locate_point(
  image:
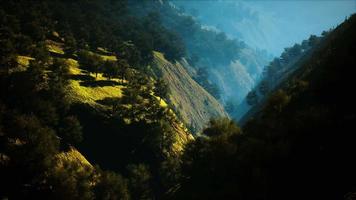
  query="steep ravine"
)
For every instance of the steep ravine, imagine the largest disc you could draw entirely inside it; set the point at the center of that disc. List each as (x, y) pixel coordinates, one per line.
(193, 103)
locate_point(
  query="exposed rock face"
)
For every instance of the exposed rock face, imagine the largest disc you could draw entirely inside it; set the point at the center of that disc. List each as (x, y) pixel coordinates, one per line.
(192, 102)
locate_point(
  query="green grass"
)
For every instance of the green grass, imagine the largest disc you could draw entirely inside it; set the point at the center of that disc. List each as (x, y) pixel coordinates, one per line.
(88, 94)
(108, 58)
(24, 61)
(70, 156)
(55, 47)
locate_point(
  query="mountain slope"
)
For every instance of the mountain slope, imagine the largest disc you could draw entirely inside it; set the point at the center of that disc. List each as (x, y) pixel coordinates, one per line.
(314, 113)
(300, 145)
(211, 53)
(194, 105)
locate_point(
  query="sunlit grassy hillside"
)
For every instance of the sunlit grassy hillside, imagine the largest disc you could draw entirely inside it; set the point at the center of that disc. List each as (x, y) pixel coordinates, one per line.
(194, 105)
(89, 89)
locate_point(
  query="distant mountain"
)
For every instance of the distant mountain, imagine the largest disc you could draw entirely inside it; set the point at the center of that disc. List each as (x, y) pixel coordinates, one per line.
(269, 25)
(226, 67)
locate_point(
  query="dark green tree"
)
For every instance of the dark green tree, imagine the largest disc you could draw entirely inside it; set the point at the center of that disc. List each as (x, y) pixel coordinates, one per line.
(140, 181)
(71, 130)
(111, 186)
(123, 67)
(161, 89)
(252, 98)
(264, 87)
(111, 69)
(93, 63)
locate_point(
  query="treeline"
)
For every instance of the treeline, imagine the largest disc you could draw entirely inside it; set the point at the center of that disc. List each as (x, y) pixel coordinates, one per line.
(282, 67)
(297, 147)
(88, 25)
(205, 48)
(38, 122)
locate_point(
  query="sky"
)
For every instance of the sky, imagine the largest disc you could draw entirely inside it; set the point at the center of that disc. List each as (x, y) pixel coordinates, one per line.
(283, 23)
(271, 24)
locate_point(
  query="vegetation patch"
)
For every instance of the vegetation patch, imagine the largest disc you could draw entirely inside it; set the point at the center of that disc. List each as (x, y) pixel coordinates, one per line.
(88, 94)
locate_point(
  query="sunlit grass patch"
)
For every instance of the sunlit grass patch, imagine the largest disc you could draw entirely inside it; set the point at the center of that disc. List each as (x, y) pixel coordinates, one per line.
(24, 60)
(72, 156)
(108, 58)
(90, 94)
(162, 103)
(103, 50)
(54, 47)
(73, 66)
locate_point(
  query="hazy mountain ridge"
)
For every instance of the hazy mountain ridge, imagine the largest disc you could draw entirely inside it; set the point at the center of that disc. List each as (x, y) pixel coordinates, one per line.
(269, 25)
(277, 72)
(213, 52)
(297, 146)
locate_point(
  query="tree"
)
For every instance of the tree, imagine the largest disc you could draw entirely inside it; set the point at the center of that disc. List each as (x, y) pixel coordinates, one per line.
(296, 50)
(202, 77)
(230, 107)
(71, 44)
(8, 58)
(95, 64)
(161, 89)
(221, 126)
(252, 98)
(286, 57)
(305, 45)
(123, 67)
(37, 78)
(277, 102)
(161, 137)
(91, 62)
(111, 186)
(71, 180)
(40, 143)
(40, 53)
(132, 54)
(208, 162)
(111, 69)
(139, 181)
(71, 130)
(313, 40)
(264, 87)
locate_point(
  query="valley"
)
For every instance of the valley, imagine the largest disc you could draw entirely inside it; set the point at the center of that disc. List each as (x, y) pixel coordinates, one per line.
(130, 99)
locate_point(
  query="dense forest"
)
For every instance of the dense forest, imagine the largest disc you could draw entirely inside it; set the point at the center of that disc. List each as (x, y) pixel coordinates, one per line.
(277, 71)
(42, 42)
(84, 116)
(209, 52)
(299, 145)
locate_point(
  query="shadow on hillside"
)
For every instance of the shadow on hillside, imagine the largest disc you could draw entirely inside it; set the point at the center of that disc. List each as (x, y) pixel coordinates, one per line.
(100, 83)
(109, 101)
(81, 77)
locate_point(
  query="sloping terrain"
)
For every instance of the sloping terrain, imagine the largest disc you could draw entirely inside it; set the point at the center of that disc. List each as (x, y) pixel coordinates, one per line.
(299, 145)
(85, 88)
(194, 105)
(90, 90)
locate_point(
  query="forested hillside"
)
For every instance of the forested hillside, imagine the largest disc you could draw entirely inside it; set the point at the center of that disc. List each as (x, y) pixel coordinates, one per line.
(276, 72)
(226, 67)
(75, 81)
(104, 99)
(298, 146)
(194, 105)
